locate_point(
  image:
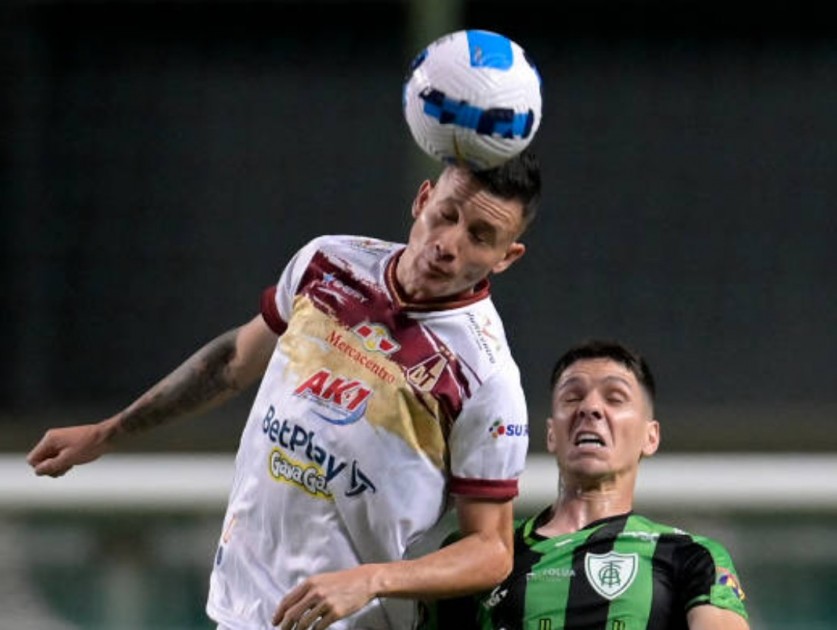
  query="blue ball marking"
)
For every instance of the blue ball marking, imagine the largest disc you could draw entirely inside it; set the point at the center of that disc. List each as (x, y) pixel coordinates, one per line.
(490, 50)
(495, 121)
(416, 62)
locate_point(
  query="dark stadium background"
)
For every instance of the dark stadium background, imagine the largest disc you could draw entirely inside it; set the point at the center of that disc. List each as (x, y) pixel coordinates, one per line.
(159, 162)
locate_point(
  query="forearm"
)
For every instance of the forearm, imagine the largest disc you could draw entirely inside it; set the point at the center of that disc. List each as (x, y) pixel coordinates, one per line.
(475, 563)
(223, 367)
(203, 381)
(472, 564)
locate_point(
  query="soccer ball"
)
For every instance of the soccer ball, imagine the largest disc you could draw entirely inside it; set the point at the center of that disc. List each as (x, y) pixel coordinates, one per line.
(472, 97)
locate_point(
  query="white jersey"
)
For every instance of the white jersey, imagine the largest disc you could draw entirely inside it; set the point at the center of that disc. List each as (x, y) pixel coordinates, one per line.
(371, 412)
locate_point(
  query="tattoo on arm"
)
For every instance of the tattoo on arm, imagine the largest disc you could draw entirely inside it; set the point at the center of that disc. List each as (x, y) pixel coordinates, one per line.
(201, 382)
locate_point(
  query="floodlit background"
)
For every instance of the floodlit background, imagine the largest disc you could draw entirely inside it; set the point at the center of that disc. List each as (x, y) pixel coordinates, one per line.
(161, 160)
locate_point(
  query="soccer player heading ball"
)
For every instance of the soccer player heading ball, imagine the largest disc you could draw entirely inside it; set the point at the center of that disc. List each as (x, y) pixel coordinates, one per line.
(384, 375)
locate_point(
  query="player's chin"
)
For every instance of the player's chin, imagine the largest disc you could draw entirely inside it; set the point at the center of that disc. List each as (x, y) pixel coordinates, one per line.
(436, 287)
(452, 291)
(589, 460)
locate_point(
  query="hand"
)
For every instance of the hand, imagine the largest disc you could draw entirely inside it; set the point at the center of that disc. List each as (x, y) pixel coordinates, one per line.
(322, 599)
(61, 449)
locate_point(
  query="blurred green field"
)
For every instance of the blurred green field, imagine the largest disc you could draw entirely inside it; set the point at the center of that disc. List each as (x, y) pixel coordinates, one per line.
(147, 570)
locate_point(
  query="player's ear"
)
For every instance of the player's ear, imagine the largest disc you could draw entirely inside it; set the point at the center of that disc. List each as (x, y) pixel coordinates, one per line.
(421, 198)
(513, 253)
(652, 438)
(550, 436)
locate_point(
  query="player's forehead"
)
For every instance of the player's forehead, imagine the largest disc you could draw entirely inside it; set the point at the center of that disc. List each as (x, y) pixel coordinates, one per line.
(590, 372)
(458, 187)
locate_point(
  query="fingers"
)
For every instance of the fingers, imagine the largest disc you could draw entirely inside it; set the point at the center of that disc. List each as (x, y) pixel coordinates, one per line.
(303, 609)
(51, 468)
(61, 449)
(289, 602)
(312, 619)
(320, 600)
(45, 458)
(315, 617)
(39, 457)
(39, 452)
(48, 463)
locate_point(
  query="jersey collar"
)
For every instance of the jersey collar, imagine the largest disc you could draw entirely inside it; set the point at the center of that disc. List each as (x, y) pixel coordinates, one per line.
(481, 291)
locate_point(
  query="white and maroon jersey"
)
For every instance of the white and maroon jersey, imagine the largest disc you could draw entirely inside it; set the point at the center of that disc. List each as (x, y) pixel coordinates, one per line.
(371, 412)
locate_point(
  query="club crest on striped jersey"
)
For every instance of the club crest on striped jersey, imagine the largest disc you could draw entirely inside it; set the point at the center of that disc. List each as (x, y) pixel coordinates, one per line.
(376, 338)
(610, 574)
(425, 375)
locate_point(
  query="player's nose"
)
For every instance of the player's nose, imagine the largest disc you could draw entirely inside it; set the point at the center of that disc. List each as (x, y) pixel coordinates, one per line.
(445, 246)
(591, 407)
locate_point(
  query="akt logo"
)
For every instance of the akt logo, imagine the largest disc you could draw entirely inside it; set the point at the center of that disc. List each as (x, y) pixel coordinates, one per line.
(346, 398)
(498, 429)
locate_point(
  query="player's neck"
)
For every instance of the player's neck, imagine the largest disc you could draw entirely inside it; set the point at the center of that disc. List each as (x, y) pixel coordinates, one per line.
(575, 509)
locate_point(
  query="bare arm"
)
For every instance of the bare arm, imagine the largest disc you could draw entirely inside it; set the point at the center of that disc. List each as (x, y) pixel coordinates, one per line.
(708, 617)
(218, 371)
(478, 561)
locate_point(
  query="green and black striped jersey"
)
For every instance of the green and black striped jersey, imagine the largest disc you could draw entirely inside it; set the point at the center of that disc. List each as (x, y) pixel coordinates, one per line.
(620, 573)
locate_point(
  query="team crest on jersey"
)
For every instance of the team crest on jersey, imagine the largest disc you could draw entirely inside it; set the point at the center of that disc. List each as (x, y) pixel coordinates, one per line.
(376, 338)
(610, 574)
(425, 375)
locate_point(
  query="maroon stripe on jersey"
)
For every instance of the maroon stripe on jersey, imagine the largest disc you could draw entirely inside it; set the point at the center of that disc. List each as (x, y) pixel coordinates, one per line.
(270, 313)
(335, 290)
(484, 488)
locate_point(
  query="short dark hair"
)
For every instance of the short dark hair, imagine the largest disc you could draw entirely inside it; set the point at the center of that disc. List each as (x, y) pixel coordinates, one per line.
(517, 178)
(606, 349)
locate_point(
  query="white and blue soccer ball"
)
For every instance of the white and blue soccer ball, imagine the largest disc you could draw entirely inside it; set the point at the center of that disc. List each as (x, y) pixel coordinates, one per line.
(473, 97)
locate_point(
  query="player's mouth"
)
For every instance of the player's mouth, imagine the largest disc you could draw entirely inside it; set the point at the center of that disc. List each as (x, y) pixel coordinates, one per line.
(588, 438)
(437, 271)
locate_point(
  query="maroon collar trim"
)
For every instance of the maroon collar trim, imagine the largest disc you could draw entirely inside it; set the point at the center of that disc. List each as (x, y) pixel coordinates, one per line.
(481, 291)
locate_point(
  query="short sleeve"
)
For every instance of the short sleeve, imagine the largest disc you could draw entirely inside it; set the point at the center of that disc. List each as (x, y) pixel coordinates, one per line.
(277, 300)
(710, 577)
(490, 439)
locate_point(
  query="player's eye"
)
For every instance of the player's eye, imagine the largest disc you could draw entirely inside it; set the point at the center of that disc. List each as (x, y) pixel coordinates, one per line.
(616, 398)
(480, 237)
(450, 216)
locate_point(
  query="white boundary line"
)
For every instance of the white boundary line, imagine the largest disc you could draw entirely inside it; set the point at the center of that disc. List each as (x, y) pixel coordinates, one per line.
(191, 482)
